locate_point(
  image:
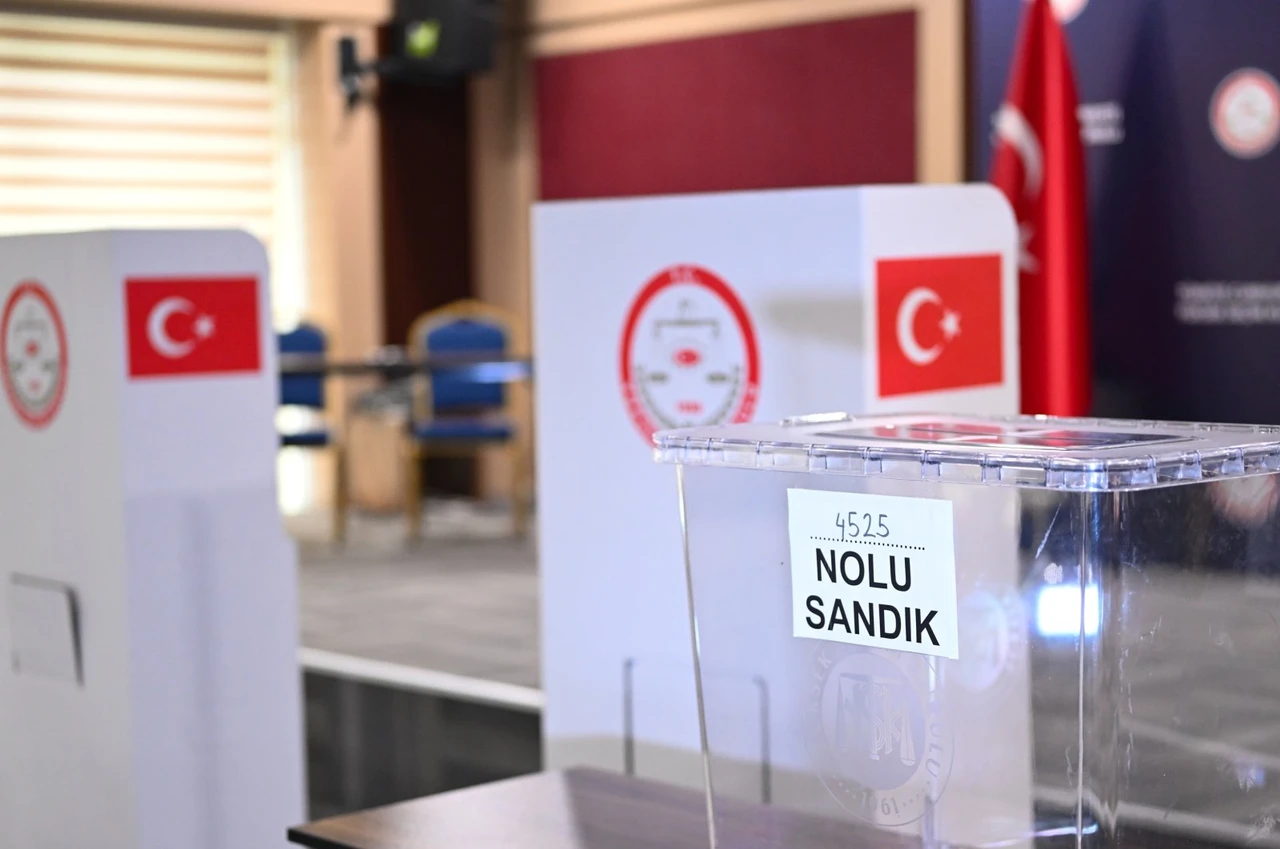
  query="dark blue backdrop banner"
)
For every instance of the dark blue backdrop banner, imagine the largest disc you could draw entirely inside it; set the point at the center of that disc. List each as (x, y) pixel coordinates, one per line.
(1180, 111)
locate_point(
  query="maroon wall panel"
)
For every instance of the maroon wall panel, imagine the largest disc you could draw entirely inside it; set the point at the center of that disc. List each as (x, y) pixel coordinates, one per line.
(812, 105)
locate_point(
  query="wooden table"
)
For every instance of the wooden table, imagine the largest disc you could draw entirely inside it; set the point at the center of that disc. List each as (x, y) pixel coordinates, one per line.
(588, 809)
(574, 809)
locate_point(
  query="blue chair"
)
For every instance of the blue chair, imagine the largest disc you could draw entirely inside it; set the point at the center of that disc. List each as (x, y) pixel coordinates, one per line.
(306, 392)
(454, 414)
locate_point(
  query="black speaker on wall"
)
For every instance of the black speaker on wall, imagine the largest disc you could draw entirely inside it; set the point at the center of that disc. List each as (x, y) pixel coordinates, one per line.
(441, 39)
(432, 42)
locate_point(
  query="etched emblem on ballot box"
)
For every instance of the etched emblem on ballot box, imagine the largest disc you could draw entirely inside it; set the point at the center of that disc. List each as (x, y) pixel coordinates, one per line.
(876, 572)
(880, 741)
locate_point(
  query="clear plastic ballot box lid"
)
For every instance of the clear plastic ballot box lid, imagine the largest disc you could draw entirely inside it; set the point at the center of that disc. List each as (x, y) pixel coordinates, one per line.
(964, 631)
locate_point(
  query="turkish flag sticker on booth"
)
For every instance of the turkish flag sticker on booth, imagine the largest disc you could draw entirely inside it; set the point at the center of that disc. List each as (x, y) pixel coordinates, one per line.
(939, 323)
(192, 325)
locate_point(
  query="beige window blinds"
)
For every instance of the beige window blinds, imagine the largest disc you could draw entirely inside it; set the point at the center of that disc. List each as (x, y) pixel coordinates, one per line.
(112, 123)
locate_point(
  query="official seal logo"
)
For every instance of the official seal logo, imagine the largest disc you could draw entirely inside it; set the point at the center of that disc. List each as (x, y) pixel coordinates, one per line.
(993, 637)
(1244, 113)
(880, 740)
(33, 354)
(688, 353)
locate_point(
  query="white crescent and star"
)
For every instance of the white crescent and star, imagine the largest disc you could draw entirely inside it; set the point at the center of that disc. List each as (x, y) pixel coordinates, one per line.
(1012, 128)
(907, 341)
(158, 335)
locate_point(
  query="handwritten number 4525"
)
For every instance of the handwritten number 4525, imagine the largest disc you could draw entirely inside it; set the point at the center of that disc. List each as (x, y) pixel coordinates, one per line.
(853, 525)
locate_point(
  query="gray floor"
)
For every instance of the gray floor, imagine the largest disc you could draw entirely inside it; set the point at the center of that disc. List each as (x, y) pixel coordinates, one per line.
(464, 601)
(369, 745)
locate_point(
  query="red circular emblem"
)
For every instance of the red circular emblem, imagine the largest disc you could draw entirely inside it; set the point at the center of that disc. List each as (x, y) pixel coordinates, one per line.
(1245, 113)
(688, 353)
(33, 354)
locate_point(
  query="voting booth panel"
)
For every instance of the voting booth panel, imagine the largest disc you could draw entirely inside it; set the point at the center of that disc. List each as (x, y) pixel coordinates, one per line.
(153, 695)
(661, 312)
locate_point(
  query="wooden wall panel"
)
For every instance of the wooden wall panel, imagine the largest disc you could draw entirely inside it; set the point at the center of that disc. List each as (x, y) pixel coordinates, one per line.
(426, 200)
(350, 11)
(503, 177)
(340, 184)
(340, 173)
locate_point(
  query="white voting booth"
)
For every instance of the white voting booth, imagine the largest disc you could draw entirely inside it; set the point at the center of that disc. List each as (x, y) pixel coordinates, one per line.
(661, 312)
(152, 698)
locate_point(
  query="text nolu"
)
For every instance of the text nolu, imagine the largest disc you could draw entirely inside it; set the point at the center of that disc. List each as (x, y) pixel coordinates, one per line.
(874, 619)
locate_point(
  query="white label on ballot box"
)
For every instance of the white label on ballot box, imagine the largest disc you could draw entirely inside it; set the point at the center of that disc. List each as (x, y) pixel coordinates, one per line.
(873, 570)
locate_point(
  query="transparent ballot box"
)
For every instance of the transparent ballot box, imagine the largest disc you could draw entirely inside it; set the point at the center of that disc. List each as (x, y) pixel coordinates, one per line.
(980, 632)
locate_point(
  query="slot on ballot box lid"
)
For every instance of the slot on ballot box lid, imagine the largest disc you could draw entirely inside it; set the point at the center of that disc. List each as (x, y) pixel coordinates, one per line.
(1036, 451)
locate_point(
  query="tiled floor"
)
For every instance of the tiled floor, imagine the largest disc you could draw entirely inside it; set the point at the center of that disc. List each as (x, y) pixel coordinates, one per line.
(464, 601)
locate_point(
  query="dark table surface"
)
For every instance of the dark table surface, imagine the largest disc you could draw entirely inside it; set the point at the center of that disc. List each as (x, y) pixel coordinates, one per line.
(589, 809)
(574, 809)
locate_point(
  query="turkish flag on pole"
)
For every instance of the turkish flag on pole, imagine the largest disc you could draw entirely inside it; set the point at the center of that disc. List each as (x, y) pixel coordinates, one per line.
(1039, 165)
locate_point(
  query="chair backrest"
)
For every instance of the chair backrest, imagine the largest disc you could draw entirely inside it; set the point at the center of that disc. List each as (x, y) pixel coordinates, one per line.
(302, 390)
(465, 327)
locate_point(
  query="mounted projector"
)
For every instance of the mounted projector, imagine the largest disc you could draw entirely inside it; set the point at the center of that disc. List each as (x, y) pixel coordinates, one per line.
(432, 42)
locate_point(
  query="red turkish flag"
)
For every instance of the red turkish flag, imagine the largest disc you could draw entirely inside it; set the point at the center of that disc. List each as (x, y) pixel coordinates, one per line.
(188, 326)
(938, 323)
(1039, 165)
